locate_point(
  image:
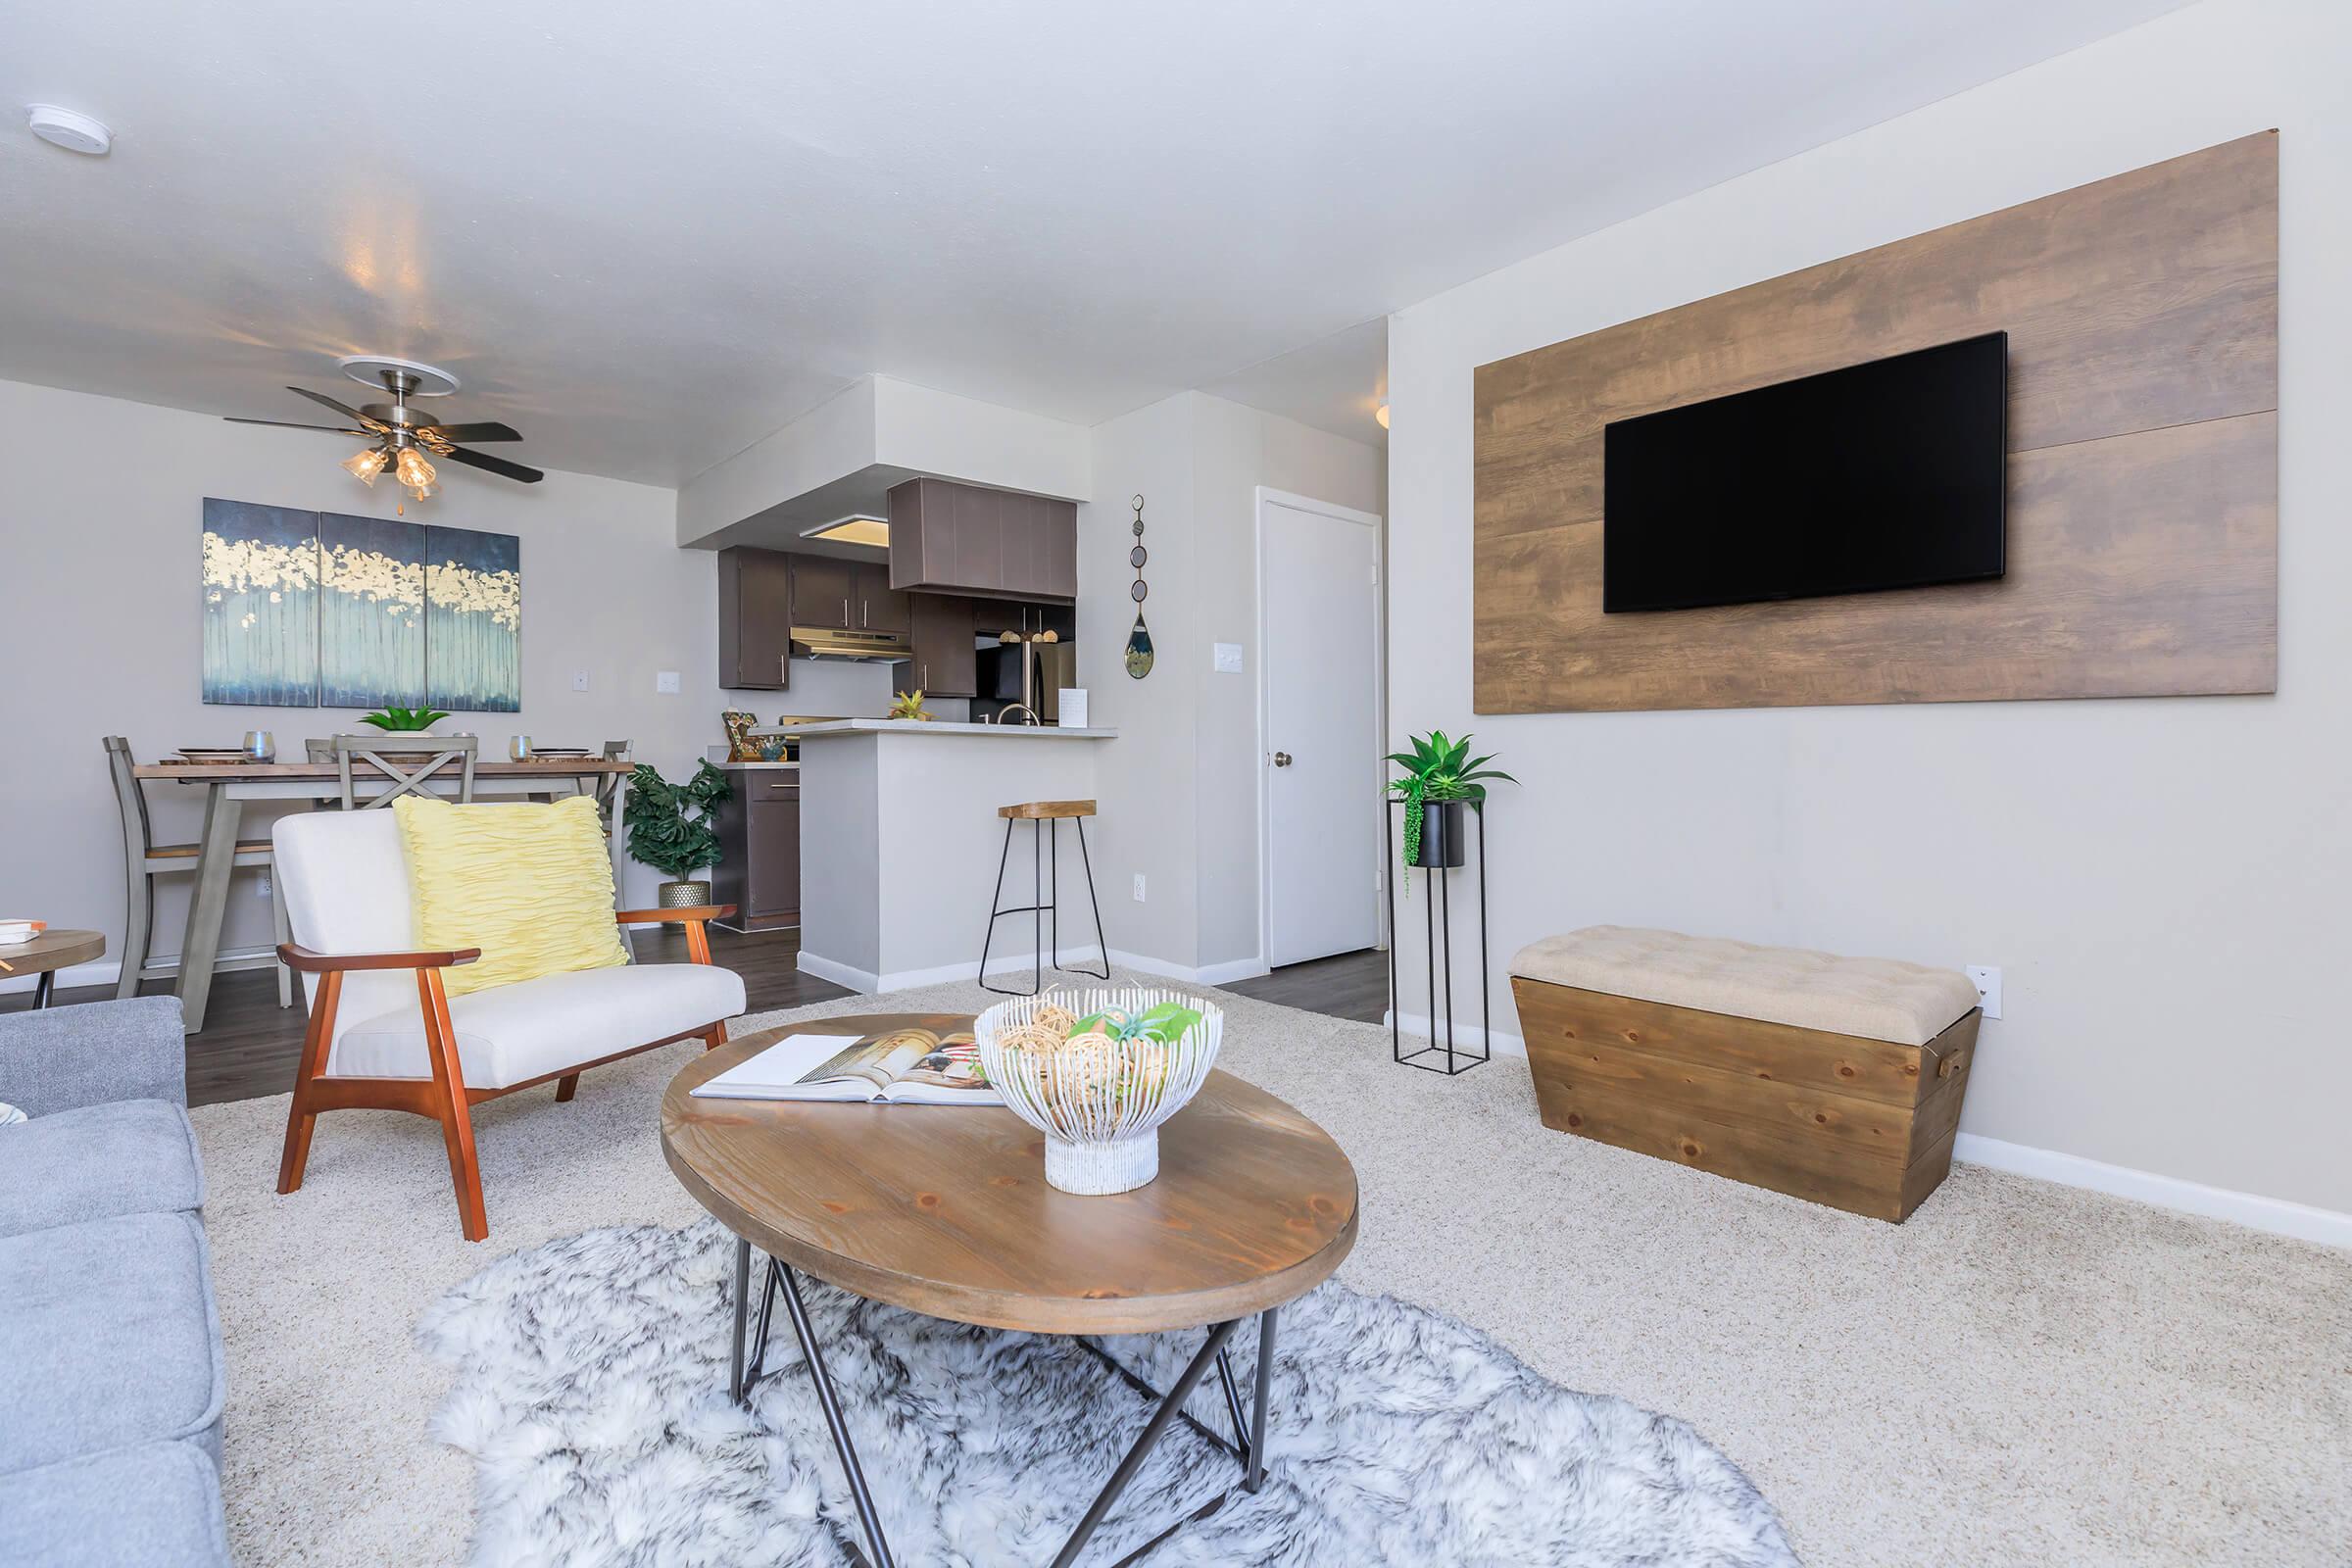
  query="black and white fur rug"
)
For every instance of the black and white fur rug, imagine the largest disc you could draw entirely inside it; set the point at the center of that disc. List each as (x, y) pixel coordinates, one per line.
(591, 1392)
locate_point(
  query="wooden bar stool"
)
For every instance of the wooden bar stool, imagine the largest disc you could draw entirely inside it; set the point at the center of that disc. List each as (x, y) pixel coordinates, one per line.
(1045, 820)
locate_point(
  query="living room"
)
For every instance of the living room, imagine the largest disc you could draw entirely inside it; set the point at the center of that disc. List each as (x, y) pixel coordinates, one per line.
(1882, 1110)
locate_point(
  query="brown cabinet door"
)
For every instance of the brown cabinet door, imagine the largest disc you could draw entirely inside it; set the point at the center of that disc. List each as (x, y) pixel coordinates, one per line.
(914, 529)
(754, 620)
(1057, 549)
(773, 854)
(879, 606)
(824, 592)
(976, 523)
(944, 663)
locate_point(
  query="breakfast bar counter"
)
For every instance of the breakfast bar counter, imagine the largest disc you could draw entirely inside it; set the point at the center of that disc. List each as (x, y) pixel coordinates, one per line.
(901, 844)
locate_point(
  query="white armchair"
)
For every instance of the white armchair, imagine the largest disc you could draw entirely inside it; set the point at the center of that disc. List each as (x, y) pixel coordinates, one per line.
(385, 1036)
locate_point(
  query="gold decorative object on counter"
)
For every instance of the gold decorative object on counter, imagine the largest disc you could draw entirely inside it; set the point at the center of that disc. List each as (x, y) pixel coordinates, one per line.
(741, 748)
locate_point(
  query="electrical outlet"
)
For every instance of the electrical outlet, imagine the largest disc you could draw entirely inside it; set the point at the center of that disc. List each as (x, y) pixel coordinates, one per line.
(667, 683)
(1139, 887)
(1987, 981)
(579, 680)
(1229, 659)
(263, 888)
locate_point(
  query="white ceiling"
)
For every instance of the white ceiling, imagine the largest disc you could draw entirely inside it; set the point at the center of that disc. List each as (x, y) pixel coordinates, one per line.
(1336, 383)
(649, 235)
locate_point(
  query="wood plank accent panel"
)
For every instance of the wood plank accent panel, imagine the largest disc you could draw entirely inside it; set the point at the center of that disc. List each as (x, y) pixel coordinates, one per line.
(2143, 342)
(1862, 1125)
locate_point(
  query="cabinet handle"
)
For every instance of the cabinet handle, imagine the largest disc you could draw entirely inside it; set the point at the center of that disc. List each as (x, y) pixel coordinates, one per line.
(927, 677)
(865, 612)
(783, 666)
(845, 612)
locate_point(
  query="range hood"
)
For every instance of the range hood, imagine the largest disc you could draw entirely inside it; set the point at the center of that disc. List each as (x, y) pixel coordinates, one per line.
(860, 647)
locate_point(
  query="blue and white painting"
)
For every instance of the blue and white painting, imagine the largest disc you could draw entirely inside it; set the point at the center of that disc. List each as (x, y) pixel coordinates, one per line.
(372, 611)
(261, 604)
(323, 609)
(472, 620)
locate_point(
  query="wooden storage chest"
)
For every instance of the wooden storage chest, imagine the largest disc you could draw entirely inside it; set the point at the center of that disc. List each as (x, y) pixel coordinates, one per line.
(1861, 1124)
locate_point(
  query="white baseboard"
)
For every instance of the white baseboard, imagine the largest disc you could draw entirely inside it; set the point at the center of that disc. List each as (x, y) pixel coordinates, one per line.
(2274, 1215)
(1466, 1036)
(870, 983)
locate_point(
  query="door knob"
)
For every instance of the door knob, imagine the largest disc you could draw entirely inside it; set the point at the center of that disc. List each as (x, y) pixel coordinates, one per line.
(1282, 758)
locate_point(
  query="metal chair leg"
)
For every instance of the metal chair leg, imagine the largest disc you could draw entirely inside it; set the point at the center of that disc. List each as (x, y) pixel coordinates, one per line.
(995, 900)
(1101, 937)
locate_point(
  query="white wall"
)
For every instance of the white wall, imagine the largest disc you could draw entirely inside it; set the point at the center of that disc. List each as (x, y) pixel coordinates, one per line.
(1179, 786)
(100, 530)
(2162, 881)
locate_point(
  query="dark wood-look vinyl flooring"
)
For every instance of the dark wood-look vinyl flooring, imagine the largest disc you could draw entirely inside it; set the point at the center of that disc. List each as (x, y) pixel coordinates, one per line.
(250, 1045)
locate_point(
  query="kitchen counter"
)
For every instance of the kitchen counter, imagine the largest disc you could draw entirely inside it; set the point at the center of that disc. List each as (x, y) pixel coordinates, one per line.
(900, 846)
(916, 726)
(751, 767)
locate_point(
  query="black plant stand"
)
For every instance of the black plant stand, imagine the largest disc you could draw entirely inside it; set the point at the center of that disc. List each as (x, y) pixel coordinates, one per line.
(1438, 943)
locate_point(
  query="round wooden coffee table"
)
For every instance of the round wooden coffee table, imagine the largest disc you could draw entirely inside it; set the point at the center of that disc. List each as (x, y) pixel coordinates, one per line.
(945, 1211)
(46, 954)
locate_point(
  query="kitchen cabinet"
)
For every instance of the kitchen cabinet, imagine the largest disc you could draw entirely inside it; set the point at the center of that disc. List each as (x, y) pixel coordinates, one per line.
(954, 538)
(879, 607)
(945, 661)
(754, 620)
(760, 850)
(824, 592)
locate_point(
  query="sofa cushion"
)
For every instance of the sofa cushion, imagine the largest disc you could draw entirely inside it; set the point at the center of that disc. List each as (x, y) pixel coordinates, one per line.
(531, 886)
(535, 1027)
(112, 1339)
(1875, 999)
(125, 1156)
(151, 1505)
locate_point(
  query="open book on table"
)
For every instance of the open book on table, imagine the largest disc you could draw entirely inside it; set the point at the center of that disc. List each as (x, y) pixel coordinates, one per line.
(906, 1067)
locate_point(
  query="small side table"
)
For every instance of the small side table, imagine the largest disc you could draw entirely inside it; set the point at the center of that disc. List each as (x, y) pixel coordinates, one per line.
(53, 950)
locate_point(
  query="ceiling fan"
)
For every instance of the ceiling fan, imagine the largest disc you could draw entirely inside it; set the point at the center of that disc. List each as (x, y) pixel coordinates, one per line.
(401, 438)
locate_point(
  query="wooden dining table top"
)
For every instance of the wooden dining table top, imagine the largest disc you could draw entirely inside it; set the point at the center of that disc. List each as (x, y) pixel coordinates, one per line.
(944, 1209)
(229, 772)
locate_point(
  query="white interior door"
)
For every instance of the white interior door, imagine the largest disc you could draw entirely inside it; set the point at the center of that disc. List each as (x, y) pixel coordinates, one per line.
(1319, 586)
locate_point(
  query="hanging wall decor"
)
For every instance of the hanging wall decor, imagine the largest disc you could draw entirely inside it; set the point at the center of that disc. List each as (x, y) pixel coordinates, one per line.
(1138, 641)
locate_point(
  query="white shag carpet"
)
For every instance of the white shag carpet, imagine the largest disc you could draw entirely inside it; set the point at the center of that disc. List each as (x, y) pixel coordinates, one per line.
(592, 1395)
(2021, 1373)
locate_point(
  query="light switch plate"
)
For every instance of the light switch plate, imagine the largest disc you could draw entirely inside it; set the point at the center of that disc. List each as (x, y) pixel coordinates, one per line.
(1229, 659)
(579, 680)
(1987, 981)
(667, 683)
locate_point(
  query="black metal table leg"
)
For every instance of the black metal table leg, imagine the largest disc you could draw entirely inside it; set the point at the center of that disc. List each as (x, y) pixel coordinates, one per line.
(1254, 1469)
(743, 1307)
(43, 984)
(1142, 1450)
(831, 1404)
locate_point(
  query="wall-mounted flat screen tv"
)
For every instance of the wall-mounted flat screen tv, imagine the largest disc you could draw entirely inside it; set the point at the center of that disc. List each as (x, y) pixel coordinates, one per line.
(1890, 475)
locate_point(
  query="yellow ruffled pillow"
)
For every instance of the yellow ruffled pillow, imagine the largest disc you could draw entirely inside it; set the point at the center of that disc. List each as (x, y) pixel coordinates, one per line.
(529, 885)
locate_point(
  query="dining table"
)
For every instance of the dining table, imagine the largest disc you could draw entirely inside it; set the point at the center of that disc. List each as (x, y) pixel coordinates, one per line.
(228, 786)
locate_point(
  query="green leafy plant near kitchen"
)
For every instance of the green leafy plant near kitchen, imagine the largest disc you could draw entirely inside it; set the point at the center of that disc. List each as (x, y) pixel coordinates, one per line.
(671, 824)
(405, 720)
(1439, 769)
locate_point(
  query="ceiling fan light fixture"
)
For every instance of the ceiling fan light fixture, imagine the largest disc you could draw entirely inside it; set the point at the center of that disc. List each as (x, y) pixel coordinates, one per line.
(366, 465)
(412, 470)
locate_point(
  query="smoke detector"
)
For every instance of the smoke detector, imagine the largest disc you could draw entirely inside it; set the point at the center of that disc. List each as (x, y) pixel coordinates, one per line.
(75, 131)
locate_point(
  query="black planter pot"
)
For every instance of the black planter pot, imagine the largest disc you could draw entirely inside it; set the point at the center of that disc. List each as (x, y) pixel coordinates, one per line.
(1445, 833)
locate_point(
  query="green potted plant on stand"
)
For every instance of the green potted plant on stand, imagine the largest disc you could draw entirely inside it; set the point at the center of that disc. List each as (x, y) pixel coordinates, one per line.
(670, 829)
(1440, 777)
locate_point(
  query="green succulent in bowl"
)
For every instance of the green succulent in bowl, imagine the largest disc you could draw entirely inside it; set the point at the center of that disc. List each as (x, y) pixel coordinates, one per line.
(405, 720)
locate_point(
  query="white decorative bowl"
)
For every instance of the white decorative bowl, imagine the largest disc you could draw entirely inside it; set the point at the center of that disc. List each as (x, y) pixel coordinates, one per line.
(1100, 1105)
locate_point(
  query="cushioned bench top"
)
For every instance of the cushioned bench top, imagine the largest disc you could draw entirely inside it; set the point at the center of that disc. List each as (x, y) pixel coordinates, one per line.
(1875, 999)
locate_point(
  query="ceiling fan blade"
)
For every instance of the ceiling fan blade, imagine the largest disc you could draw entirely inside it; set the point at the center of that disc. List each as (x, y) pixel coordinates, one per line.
(344, 408)
(289, 425)
(490, 465)
(486, 430)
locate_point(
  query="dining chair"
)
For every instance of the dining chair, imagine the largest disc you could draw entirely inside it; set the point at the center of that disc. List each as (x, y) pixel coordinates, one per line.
(608, 785)
(144, 860)
(407, 772)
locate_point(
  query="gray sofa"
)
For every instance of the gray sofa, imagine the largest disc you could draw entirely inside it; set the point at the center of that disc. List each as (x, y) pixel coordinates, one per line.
(110, 1372)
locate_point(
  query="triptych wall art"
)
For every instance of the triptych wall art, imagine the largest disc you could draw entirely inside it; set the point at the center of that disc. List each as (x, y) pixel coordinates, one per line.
(320, 610)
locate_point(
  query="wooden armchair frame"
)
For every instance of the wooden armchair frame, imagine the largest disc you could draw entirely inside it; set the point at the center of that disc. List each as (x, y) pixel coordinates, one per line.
(444, 1097)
